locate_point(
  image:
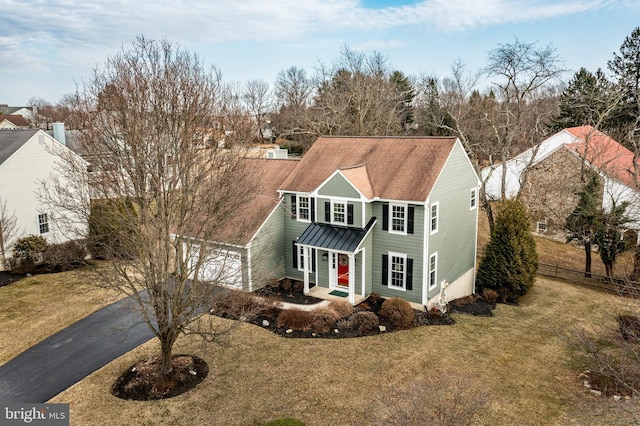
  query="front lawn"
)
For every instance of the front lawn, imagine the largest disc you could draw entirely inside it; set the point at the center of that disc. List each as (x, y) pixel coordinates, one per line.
(34, 308)
(517, 358)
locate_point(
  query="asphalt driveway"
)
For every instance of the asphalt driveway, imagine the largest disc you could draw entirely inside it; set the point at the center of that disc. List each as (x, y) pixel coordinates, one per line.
(61, 360)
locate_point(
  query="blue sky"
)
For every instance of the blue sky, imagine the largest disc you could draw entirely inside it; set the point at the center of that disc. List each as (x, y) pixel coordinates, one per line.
(47, 46)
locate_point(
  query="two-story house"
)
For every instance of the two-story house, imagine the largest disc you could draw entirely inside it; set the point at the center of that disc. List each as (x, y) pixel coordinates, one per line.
(392, 215)
(395, 216)
(29, 157)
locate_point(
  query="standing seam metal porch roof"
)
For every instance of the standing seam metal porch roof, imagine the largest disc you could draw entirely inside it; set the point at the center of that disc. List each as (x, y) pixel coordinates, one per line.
(332, 237)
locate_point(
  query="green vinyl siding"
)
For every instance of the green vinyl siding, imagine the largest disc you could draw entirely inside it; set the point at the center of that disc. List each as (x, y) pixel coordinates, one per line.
(338, 186)
(411, 244)
(268, 248)
(357, 211)
(323, 269)
(293, 229)
(455, 240)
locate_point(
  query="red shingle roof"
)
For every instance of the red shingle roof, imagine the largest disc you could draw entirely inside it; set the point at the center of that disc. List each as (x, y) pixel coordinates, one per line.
(397, 168)
(604, 153)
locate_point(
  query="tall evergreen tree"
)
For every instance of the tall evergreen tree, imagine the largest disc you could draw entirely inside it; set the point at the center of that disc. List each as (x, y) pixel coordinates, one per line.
(405, 95)
(588, 99)
(610, 236)
(625, 67)
(510, 261)
(584, 223)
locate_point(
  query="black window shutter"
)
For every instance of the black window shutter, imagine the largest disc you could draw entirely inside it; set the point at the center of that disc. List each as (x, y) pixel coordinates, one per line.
(349, 214)
(295, 253)
(293, 207)
(410, 220)
(313, 260)
(409, 277)
(385, 217)
(312, 201)
(385, 269)
(327, 211)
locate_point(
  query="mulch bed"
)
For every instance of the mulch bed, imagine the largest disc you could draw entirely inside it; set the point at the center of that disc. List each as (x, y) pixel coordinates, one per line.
(246, 310)
(7, 277)
(144, 382)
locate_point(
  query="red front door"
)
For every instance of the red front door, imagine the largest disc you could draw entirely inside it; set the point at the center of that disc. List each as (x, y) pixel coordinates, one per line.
(343, 270)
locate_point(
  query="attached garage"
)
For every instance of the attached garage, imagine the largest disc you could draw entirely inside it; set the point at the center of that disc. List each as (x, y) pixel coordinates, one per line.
(219, 265)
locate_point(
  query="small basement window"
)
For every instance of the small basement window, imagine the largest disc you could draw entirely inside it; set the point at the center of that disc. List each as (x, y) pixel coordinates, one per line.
(541, 226)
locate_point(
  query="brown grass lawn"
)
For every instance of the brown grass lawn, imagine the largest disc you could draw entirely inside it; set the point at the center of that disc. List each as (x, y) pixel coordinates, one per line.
(518, 357)
(37, 307)
(557, 252)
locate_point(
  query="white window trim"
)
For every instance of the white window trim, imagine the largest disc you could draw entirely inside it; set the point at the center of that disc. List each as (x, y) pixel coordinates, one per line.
(333, 217)
(433, 284)
(437, 216)
(544, 224)
(47, 222)
(405, 207)
(298, 209)
(300, 258)
(390, 271)
(473, 199)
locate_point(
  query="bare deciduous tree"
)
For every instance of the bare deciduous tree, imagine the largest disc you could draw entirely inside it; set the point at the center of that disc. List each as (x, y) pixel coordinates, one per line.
(147, 113)
(256, 97)
(8, 230)
(357, 96)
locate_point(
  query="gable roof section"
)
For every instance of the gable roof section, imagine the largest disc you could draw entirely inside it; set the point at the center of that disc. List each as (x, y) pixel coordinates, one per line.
(241, 228)
(359, 178)
(13, 139)
(604, 153)
(396, 168)
(16, 119)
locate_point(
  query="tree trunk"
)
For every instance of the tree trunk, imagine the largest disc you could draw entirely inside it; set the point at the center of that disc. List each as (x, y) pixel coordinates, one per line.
(587, 259)
(166, 356)
(635, 276)
(489, 211)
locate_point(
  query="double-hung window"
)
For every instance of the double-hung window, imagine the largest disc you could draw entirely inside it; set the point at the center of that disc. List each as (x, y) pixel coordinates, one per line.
(339, 212)
(473, 199)
(397, 270)
(304, 209)
(434, 217)
(43, 223)
(398, 218)
(433, 270)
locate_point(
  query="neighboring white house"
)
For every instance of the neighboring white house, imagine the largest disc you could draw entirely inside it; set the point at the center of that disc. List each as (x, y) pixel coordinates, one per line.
(13, 122)
(557, 160)
(27, 158)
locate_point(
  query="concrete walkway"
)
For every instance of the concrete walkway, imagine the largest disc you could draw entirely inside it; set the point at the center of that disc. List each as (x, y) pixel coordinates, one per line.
(51, 366)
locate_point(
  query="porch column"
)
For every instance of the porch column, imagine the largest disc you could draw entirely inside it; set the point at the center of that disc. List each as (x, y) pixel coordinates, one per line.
(306, 260)
(352, 279)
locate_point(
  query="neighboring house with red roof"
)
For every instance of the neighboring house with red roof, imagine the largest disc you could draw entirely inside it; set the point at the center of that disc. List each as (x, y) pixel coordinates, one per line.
(13, 121)
(550, 175)
(27, 158)
(395, 216)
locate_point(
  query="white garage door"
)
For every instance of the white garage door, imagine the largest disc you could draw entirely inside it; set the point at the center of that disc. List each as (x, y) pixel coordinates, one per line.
(219, 266)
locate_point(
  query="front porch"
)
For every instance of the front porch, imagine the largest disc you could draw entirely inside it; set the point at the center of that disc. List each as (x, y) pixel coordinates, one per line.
(325, 294)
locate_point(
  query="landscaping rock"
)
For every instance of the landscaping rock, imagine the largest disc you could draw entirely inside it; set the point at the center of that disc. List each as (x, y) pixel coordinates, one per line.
(289, 331)
(596, 392)
(382, 328)
(265, 323)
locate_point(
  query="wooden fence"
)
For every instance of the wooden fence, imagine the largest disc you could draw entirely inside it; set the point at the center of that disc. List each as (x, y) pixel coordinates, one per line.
(619, 286)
